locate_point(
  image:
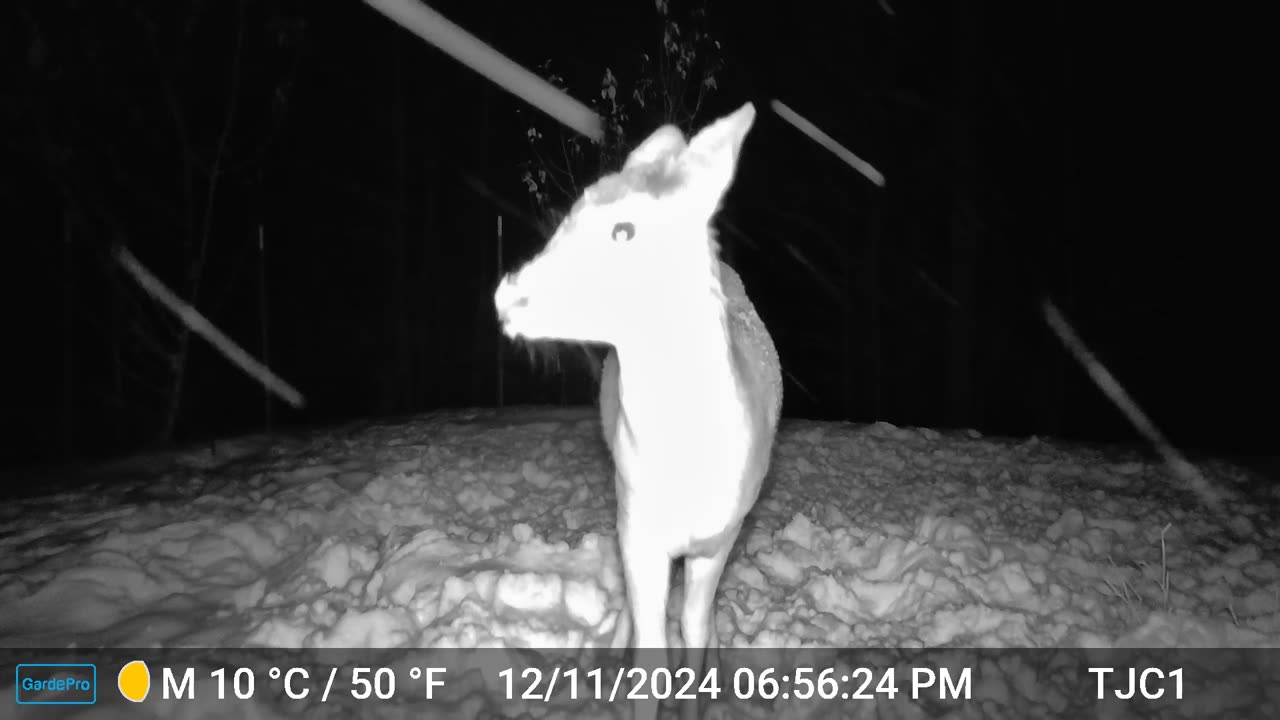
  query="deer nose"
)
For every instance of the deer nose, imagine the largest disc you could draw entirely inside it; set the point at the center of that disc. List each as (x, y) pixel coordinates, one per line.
(509, 296)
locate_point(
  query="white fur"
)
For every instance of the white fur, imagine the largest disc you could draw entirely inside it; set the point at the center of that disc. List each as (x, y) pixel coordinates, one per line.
(691, 392)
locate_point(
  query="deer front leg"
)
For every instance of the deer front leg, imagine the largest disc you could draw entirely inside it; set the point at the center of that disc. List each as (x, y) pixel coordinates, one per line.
(647, 570)
(698, 620)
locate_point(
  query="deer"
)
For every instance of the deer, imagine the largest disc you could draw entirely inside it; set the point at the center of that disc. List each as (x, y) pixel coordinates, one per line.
(691, 388)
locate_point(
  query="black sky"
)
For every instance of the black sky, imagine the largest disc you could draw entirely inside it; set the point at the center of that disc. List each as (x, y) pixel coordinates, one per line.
(1114, 157)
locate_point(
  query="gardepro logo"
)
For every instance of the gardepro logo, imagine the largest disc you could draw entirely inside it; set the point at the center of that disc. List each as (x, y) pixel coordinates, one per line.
(57, 684)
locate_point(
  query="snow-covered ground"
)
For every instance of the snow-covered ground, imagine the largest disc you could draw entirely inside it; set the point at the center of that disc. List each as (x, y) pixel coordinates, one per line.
(495, 528)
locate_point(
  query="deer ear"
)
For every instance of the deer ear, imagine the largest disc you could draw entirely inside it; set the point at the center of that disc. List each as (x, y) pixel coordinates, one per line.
(665, 142)
(711, 158)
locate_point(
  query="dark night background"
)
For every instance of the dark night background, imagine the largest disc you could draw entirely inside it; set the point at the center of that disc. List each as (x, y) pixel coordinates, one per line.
(1115, 157)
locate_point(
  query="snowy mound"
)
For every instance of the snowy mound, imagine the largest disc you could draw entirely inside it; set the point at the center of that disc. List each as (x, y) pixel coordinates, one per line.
(496, 529)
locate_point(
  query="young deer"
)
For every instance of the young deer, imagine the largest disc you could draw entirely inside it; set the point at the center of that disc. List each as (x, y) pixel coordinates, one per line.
(690, 392)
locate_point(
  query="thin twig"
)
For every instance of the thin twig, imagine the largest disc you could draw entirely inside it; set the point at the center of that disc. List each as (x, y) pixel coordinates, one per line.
(1164, 566)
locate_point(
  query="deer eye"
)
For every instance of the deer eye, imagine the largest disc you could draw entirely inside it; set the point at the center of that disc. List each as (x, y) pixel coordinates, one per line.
(624, 231)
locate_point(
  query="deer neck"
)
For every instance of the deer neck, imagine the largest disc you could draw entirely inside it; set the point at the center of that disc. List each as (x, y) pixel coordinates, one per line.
(678, 380)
